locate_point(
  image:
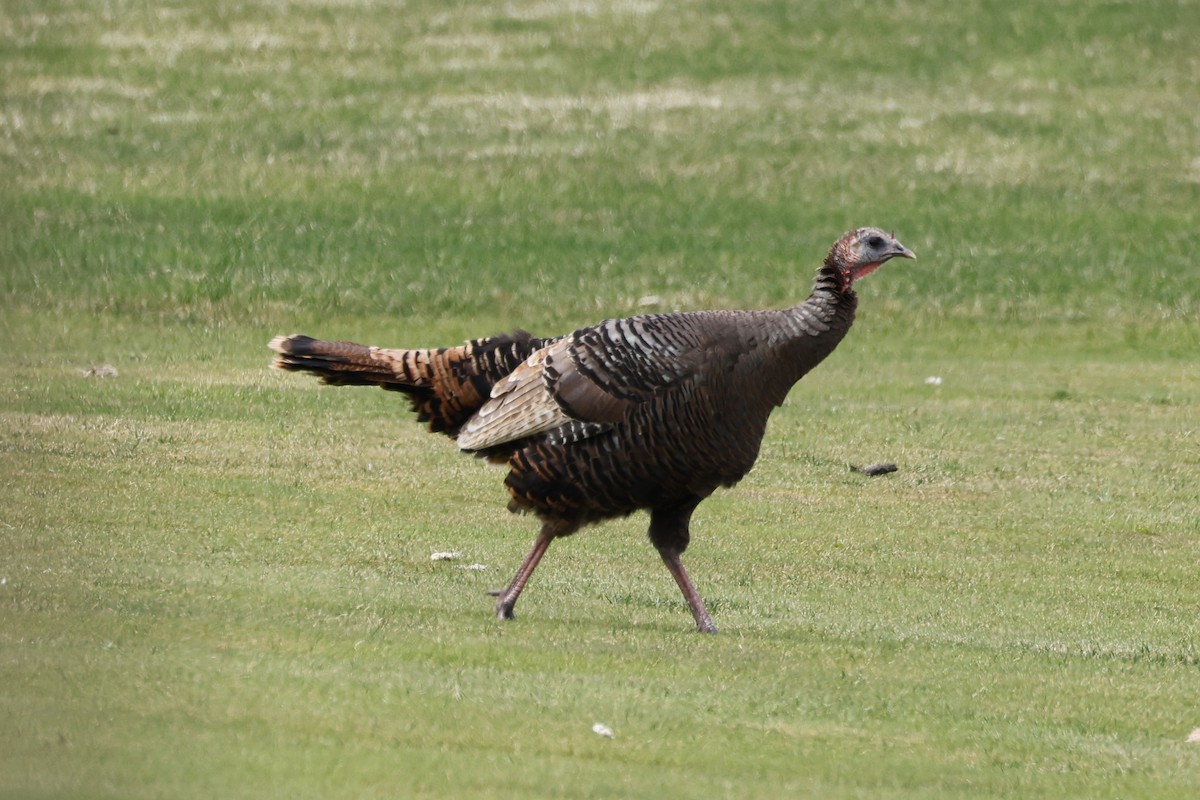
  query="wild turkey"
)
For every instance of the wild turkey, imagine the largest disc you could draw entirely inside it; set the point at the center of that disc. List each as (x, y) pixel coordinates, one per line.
(651, 412)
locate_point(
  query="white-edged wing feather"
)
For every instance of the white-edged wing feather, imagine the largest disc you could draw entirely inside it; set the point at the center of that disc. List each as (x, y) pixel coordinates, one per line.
(521, 406)
(592, 378)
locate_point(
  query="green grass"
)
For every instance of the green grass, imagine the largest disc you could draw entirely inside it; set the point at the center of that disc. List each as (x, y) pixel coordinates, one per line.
(215, 579)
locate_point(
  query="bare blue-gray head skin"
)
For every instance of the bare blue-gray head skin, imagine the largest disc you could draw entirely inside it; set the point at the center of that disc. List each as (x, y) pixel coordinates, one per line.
(860, 252)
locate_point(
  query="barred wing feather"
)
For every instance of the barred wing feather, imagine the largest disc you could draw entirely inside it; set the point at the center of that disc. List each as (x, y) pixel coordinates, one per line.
(594, 376)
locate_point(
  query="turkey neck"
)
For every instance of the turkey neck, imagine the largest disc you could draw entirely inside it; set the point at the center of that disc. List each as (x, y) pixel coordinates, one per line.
(802, 336)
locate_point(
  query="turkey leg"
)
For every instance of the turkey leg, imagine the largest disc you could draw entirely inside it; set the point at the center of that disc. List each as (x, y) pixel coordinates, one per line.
(508, 598)
(670, 557)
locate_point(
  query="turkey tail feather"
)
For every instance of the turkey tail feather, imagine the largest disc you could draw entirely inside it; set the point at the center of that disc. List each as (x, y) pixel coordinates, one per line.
(446, 385)
(346, 363)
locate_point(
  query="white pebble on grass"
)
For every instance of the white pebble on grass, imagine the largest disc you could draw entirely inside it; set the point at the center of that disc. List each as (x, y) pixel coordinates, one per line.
(101, 371)
(444, 556)
(1194, 737)
(602, 730)
(933, 380)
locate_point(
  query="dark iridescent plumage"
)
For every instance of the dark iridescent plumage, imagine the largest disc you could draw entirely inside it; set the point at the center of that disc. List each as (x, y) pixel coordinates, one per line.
(650, 412)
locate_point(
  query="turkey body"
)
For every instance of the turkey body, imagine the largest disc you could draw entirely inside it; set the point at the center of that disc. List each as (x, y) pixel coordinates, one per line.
(677, 445)
(651, 412)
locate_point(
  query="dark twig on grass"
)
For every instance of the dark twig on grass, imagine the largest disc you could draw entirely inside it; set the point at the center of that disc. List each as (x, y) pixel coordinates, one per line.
(874, 469)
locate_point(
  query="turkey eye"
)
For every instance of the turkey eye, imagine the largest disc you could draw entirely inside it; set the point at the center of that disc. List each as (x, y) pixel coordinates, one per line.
(875, 242)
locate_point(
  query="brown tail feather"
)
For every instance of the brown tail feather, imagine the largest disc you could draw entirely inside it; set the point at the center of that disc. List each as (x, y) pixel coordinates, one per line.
(341, 363)
(445, 385)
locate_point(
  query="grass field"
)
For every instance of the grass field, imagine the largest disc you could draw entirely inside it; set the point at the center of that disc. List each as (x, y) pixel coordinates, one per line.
(215, 579)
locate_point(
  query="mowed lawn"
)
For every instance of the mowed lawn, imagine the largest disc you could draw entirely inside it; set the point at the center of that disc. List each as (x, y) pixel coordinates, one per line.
(215, 579)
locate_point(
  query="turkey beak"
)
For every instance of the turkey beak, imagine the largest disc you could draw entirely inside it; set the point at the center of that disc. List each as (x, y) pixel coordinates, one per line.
(899, 250)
